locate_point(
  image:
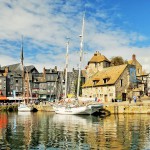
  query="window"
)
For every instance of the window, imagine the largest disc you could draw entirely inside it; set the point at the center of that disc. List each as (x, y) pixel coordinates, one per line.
(95, 82)
(121, 82)
(111, 94)
(105, 80)
(96, 64)
(16, 81)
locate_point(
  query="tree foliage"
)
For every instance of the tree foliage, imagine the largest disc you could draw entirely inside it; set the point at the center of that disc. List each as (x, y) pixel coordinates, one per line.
(118, 60)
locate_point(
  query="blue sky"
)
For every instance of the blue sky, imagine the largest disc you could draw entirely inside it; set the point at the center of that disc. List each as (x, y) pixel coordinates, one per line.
(112, 27)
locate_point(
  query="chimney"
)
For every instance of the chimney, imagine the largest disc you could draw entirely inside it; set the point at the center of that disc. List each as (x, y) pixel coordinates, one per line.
(6, 70)
(133, 57)
(44, 72)
(55, 68)
(95, 53)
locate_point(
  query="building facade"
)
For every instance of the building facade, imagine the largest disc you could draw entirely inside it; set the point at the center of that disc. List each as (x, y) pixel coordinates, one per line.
(108, 83)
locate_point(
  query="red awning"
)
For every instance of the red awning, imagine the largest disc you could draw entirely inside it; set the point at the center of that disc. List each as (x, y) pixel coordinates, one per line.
(3, 98)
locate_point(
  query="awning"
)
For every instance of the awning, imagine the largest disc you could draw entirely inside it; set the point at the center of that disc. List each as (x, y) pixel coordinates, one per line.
(3, 98)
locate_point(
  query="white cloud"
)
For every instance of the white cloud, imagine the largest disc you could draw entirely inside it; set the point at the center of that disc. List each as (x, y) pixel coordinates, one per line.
(46, 24)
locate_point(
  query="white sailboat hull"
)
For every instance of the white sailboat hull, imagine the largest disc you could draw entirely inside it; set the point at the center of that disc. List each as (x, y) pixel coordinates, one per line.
(81, 110)
(25, 108)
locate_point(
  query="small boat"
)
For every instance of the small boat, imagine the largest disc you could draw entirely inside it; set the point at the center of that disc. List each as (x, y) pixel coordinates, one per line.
(25, 108)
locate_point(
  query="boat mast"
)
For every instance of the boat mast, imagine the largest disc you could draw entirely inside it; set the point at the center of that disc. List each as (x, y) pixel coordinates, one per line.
(66, 68)
(29, 93)
(22, 65)
(81, 53)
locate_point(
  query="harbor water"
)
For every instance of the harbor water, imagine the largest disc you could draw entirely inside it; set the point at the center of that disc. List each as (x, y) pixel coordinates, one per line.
(50, 131)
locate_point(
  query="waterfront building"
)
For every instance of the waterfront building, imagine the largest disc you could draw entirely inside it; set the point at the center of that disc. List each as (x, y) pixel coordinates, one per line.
(116, 82)
(108, 83)
(14, 79)
(3, 84)
(141, 87)
(148, 83)
(50, 84)
(111, 83)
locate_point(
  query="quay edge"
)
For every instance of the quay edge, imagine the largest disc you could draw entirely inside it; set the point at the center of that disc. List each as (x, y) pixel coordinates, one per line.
(8, 108)
(128, 108)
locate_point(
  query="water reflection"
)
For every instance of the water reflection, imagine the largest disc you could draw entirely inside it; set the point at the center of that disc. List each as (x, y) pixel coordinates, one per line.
(45, 130)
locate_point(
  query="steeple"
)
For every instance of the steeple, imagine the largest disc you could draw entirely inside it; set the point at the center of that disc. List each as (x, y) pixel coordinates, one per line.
(21, 55)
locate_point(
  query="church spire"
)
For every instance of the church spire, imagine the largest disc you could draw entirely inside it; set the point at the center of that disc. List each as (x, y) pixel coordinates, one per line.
(21, 56)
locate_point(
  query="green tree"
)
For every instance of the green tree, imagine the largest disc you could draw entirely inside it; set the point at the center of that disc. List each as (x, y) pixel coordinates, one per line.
(118, 60)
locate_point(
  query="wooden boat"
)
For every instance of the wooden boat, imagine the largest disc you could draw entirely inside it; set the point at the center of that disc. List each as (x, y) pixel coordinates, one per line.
(71, 109)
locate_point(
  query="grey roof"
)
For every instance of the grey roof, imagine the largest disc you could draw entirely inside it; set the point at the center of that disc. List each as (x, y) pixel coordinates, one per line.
(29, 68)
(13, 67)
(18, 68)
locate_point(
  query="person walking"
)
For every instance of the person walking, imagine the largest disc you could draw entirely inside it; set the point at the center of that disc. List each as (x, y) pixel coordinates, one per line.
(134, 98)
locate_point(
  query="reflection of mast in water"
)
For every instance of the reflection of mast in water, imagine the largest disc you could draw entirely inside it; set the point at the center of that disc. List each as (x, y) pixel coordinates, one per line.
(76, 128)
(25, 119)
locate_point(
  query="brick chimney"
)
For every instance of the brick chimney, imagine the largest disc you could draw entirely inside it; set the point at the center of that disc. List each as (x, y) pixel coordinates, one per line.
(133, 57)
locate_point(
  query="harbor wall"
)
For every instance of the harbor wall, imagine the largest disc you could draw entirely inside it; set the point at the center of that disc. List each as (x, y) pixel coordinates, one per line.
(138, 108)
(44, 107)
(8, 108)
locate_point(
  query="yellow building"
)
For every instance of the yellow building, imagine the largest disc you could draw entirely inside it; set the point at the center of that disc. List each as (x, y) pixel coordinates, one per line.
(108, 83)
(97, 63)
(138, 66)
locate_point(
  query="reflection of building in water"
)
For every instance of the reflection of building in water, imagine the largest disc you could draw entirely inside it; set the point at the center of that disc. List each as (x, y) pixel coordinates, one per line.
(78, 130)
(3, 123)
(25, 120)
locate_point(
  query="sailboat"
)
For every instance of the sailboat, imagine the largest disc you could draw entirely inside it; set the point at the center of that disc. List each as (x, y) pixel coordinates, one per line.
(75, 108)
(25, 107)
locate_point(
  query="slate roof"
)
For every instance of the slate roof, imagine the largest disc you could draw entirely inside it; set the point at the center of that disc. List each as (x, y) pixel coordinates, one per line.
(13, 67)
(29, 68)
(18, 67)
(109, 73)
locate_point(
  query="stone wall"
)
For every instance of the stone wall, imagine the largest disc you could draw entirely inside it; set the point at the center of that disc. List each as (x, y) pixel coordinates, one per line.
(44, 107)
(128, 109)
(104, 93)
(125, 83)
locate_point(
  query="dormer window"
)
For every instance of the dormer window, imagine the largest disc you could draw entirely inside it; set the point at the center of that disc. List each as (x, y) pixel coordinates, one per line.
(105, 80)
(95, 81)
